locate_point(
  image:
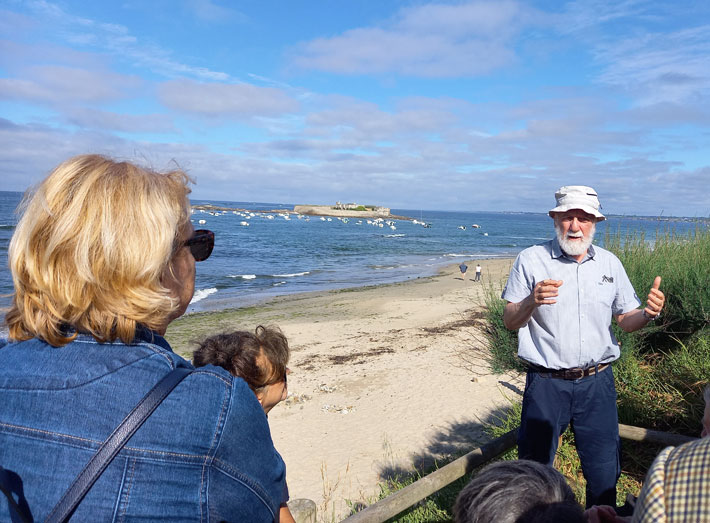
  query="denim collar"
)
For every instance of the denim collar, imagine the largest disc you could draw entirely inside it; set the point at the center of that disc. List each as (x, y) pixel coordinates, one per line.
(557, 252)
(144, 334)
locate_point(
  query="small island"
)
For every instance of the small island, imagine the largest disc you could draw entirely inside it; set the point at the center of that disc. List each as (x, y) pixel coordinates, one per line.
(342, 210)
(348, 210)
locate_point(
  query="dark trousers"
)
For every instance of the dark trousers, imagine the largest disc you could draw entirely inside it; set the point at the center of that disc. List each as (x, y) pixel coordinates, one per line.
(589, 406)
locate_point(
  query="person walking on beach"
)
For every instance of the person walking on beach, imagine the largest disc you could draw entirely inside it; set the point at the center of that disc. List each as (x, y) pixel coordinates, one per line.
(463, 267)
(478, 272)
(561, 296)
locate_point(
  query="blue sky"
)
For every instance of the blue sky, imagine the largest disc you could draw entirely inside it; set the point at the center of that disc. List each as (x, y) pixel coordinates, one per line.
(408, 104)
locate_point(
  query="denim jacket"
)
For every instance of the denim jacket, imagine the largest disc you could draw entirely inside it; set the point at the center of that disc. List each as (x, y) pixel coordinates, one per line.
(204, 455)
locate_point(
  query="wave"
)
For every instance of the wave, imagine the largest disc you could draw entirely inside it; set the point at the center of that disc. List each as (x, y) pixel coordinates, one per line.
(278, 283)
(201, 294)
(455, 255)
(292, 275)
(242, 276)
(5, 226)
(394, 235)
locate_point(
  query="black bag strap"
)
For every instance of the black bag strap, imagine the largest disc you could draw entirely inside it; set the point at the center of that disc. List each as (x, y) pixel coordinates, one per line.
(113, 444)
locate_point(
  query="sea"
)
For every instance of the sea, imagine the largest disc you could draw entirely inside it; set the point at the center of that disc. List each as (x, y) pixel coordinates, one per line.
(260, 255)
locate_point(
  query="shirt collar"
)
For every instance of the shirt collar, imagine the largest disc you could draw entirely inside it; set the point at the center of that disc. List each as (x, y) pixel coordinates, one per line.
(556, 251)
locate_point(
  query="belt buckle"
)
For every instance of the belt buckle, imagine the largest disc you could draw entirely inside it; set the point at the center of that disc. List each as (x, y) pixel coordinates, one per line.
(574, 374)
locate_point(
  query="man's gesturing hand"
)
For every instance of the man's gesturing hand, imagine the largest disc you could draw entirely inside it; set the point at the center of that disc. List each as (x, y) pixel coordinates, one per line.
(656, 299)
(545, 292)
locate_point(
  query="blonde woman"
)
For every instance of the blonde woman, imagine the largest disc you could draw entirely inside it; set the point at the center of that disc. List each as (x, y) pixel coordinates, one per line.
(103, 259)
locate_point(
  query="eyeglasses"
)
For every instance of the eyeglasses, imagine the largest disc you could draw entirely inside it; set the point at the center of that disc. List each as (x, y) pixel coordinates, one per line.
(201, 244)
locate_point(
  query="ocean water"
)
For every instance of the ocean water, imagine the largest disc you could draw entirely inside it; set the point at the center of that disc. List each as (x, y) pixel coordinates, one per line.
(276, 256)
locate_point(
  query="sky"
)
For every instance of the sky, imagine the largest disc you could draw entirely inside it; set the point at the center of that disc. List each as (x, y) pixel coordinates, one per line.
(450, 105)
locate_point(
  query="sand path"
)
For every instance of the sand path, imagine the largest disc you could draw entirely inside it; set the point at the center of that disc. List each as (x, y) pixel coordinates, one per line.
(377, 385)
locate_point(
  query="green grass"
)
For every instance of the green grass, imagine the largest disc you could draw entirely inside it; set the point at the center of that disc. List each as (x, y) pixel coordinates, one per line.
(184, 333)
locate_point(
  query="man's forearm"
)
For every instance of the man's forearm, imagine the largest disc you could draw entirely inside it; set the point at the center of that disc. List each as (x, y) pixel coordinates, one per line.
(517, 315)
(632, 320)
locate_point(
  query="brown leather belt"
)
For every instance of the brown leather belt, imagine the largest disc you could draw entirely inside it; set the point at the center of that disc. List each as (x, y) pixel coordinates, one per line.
(570, 374)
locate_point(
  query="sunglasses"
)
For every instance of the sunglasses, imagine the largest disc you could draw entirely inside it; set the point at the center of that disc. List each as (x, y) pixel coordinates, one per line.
(201, 244)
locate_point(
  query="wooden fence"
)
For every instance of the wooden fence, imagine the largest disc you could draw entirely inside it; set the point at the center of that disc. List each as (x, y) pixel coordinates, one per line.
(401, 500)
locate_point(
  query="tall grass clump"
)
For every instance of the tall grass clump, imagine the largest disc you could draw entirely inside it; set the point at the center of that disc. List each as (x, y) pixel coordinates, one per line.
(664, 367)
(682, 262)
(502, 343)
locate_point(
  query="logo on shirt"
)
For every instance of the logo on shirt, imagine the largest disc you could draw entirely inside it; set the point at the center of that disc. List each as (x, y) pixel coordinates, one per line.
(607, 279)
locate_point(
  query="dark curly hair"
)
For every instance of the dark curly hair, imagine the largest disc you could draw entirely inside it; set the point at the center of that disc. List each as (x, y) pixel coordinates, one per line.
(259, 358)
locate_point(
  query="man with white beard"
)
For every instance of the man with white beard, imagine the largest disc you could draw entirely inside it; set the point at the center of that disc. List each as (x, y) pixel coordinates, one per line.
(561, 296)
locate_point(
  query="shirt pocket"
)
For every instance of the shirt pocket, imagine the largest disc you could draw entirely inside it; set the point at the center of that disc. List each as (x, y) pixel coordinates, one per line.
(604, 295)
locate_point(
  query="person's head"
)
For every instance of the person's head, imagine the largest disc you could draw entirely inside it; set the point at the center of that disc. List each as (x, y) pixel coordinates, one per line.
(520, 491)
(575, 217)
(99, 249)
(259, 358)
(706, 415)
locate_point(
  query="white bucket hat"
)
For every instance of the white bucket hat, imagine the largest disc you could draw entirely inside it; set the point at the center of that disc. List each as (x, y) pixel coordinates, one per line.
(577, 197)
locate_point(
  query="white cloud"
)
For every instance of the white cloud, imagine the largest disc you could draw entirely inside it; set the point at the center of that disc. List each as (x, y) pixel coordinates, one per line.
(59, 84)
(435, 40)
(671, 67)
(404, 173)
(87, 118)
(117, 40)
(584, 14)
(225, 101)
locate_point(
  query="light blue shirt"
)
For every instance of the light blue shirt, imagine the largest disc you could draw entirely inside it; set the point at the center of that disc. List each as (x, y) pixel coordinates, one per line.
(575, 331)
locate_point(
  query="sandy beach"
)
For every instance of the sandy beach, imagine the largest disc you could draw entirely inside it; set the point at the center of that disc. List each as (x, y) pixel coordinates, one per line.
(378, 385)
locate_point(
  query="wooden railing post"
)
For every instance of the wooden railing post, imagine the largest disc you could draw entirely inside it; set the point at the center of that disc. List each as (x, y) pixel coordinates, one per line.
(303, 510)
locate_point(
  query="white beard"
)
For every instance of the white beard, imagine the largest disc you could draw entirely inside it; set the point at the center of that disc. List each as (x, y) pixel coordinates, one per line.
(574, 247)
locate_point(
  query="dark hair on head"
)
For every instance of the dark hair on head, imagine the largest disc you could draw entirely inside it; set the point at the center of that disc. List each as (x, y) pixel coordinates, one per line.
(259, 358)
(520, 491)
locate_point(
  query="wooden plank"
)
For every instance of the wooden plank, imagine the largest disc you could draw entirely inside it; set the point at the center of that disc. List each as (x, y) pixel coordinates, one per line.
(426, 486)
(653, 436)
(411, 494)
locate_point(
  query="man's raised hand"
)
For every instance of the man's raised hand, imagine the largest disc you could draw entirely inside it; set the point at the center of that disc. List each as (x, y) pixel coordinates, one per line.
(656, 299)
(545, 292)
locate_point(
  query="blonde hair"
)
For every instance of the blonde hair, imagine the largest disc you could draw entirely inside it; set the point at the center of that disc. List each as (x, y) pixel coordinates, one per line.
(91, 246)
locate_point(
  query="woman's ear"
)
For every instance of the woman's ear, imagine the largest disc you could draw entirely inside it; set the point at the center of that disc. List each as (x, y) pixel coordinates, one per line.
(260, 395)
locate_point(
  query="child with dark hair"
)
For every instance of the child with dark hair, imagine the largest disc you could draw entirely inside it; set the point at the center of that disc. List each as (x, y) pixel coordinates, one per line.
(260, 359)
